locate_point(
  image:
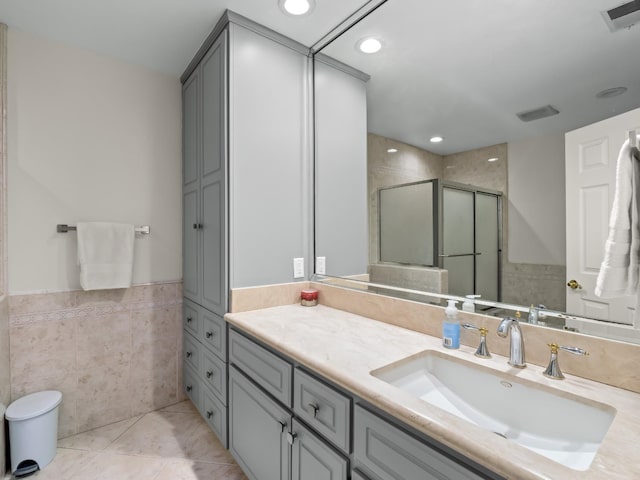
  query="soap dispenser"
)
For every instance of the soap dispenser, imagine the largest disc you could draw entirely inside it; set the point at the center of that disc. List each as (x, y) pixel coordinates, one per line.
(469, 305)
(451, 326)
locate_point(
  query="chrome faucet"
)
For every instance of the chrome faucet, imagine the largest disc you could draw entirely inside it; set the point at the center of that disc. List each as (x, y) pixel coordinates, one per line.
(511, 326)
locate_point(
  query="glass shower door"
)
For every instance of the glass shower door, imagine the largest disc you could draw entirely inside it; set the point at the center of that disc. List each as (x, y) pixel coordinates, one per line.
(458, 243)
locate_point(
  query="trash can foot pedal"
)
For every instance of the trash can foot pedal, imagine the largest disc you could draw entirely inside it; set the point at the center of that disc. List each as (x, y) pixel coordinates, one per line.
(26, 468)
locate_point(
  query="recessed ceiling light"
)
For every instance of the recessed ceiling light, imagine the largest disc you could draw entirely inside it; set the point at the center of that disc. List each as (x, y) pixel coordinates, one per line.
(494, 159)
(392, 150)
(369, 45)
(611, 92)
(436, 139)
(296, 7)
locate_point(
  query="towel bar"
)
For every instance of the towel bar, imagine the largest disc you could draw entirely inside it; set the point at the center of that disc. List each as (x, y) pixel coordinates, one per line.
(63, 228)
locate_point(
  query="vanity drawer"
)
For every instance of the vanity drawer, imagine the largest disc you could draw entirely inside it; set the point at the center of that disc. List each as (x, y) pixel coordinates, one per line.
(214, 375)
(191, 386)
(323, 408)
(213, 333)
(384, 452)
(191, 352)
(215, 414)
(191, 317)
(266, 369)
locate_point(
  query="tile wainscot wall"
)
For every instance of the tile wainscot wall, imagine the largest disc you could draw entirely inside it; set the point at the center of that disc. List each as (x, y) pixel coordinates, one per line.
(113, 354)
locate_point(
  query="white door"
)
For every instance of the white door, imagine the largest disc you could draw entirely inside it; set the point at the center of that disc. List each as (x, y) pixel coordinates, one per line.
(591, 156)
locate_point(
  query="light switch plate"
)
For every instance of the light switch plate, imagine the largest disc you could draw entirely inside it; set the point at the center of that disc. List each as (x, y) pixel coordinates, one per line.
(298, 268)
(321, 265)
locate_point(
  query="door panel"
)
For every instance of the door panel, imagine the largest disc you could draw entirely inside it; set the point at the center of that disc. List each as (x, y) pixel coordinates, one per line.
(591, 161)
(487, 246)
(312, 459)
(257, 426)
(190, 245)
(457, 221)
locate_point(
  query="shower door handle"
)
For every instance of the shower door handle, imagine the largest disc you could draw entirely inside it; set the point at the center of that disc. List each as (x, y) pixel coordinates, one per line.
(461, 255)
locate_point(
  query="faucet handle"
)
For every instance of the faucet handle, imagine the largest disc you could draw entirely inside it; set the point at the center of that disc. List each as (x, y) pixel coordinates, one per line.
(553, 369)
(482, 351)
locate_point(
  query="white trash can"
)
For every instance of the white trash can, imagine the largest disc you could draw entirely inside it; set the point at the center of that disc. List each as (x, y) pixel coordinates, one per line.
(33, 431)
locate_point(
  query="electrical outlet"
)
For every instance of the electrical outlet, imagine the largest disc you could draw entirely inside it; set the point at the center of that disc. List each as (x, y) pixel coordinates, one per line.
(298, 268)
(321, 265)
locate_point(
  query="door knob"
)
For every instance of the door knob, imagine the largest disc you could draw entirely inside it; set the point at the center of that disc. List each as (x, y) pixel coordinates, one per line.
(574, 285)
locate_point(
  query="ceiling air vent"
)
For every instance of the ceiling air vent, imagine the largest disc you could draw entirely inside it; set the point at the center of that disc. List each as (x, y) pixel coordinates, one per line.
(537, 113)
(623, 16)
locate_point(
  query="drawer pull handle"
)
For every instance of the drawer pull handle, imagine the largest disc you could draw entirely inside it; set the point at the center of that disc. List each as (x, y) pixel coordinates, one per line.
(209, 413)
(291, 437)
(209, 374)
(209, 334)
(189, 319)
(189, 354)
(189, 388)
(283, 426)
(315, 409)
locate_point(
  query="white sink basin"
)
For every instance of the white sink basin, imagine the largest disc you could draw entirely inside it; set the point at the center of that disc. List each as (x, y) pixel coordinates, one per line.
(561, 426)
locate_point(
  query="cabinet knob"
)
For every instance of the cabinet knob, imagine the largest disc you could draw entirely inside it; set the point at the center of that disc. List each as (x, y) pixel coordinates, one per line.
(209, 334)
(189, 319)
(195, 226)
(291, 437)
(189, 388)
(315, 409)
(188, 354)
(209, 413)
(209, 374)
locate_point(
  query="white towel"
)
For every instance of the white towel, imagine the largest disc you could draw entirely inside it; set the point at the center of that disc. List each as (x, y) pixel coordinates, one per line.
(105, 255)
(618, 274)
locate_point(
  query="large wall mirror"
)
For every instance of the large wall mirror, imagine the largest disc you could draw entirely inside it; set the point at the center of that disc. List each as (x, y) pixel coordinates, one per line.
(532, 101)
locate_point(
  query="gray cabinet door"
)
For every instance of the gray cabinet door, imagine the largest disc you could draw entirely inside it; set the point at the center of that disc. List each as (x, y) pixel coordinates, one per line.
(190, 179)
(204, 181)
(257, 430)
(384, 452)
(312, 458)
(213, 178)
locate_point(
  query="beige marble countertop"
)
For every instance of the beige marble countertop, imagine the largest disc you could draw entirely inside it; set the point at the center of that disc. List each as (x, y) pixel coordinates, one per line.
(344, 348)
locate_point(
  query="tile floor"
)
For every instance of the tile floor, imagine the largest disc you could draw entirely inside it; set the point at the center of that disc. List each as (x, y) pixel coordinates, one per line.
(173, 443)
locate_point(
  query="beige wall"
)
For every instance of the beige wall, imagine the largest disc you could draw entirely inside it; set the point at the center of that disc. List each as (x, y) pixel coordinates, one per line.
(113, 354)
(5, 377)
(89, 138)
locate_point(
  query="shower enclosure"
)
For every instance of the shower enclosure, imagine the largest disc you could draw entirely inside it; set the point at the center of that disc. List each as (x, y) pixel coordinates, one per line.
(446, 225)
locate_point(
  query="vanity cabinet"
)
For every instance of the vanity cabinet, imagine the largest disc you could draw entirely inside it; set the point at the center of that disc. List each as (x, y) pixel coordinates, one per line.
(266, 436)
(287, 423)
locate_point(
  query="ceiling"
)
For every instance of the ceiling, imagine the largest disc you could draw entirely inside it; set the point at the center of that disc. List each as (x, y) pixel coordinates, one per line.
(464, 68)
(163, 35)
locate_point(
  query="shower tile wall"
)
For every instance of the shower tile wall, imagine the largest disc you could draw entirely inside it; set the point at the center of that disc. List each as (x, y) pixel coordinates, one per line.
(409, 164)
(113, 354)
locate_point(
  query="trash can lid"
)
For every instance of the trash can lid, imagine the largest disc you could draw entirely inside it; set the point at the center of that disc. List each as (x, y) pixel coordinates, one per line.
(33, 405)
